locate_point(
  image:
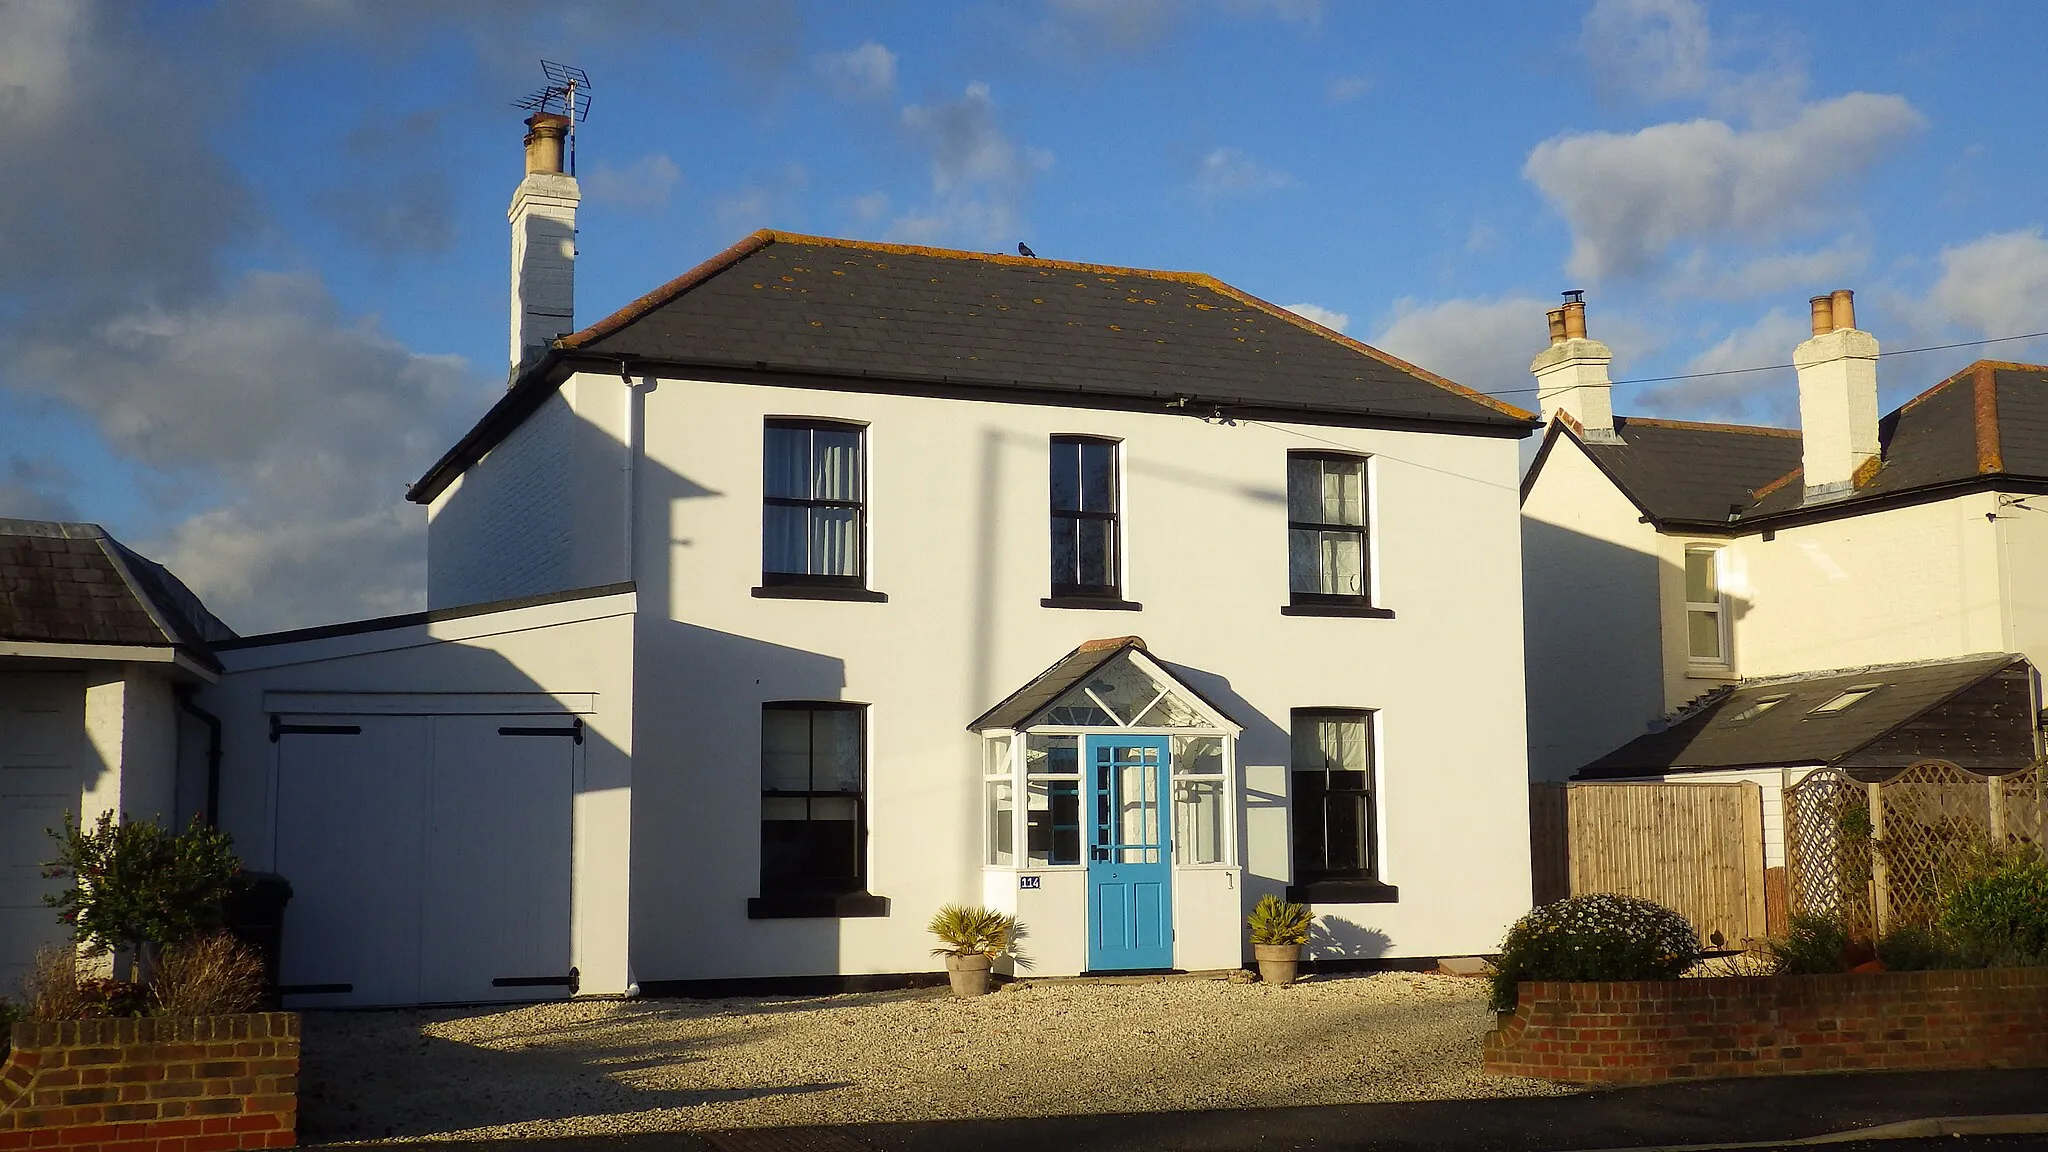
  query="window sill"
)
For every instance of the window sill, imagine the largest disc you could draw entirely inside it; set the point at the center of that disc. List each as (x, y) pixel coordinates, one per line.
(1099, 603)
(853, 904)
(1711, 672)
(1362, 611)
(1343, 892)
(819, 592)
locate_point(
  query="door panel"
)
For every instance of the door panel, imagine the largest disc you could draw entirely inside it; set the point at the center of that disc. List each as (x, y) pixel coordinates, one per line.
(1130, 871)
(42, 778)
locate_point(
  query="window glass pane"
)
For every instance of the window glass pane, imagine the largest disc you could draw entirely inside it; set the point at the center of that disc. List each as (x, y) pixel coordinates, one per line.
(785, 750)
(1342, 555)
(1307, 824)
(1345, 832)
(1304, 561)
(1198, 821)
(835, 809)
(786, 463)
(835, 755)
(1076, 708)
(1124, 687)
(835, 468)
(784, 808)
(1098, 476)
(1053, 821)
(1066, 476)
(1344, 744)
(835, 542)
(1052, 755)
(995, 756)
(1095, 553)
(1703, 632)
(1065, 550)
(999, 803)
(784, 538)
(1173, 712)
(1198, 755)
(1304, 489)
(1702, 585)
(1343, 492)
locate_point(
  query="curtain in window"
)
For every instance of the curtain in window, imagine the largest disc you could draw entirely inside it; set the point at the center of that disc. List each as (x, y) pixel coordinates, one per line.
(811, 482)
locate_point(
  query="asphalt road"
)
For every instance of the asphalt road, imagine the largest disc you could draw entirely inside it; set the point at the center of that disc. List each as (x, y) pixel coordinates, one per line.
(1703, 1112)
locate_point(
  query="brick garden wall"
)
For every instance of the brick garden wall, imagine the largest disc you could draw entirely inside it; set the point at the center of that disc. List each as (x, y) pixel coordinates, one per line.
(1773, 1025)
(152, 1085)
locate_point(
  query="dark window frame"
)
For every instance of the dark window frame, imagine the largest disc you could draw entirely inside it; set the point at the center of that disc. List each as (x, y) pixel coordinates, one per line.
(859, 580)
(1064, 594)
(780, 889)
(1309, 797)
(1363, 530)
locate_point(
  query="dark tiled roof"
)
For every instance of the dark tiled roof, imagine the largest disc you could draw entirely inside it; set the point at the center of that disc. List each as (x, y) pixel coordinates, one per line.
(74, 584)
(1713, 733)
(1989, 420)
(891, 317)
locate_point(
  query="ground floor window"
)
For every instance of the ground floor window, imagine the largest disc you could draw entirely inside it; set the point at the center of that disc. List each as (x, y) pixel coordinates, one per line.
(1335, 819)
(813, 798)
(1052, 799)
(1200, 816)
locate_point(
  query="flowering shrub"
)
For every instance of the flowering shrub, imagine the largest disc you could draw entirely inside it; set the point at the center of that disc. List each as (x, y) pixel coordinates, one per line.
(1594, 937)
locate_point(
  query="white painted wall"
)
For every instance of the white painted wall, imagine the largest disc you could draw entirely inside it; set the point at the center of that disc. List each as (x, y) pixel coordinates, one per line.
(1591, 615)
(958, 540)
(579, 652)
(45, 771)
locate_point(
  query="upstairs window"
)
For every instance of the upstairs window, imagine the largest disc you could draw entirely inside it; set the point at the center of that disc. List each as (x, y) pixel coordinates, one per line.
(1706, 609)
(1327, 557)
(1334, 802)
(813, 515)
(1086, 536)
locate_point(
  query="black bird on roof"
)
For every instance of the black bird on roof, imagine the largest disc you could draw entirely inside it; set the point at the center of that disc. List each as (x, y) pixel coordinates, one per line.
(1025, 250)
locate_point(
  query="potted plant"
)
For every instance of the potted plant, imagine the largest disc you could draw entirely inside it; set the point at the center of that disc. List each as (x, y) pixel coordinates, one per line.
(970, 940)
(1279, 933)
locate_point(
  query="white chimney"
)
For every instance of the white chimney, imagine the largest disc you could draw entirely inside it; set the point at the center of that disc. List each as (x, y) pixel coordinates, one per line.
(543, 216)
(1837, 397)
(1571, 374)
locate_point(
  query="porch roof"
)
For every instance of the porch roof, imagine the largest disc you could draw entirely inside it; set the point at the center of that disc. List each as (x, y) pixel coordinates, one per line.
(1020, 707)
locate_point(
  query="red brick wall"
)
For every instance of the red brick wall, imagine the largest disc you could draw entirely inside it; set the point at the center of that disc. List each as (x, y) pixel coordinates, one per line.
(152, 1085)
(1772, 1025)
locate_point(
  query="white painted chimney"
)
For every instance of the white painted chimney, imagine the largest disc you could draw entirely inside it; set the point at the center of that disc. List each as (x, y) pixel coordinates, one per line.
(1571, 374)
(1837, 397)
(543, 216)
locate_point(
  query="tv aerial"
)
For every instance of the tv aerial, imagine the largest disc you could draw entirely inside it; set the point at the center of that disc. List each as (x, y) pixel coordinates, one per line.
(567, 95)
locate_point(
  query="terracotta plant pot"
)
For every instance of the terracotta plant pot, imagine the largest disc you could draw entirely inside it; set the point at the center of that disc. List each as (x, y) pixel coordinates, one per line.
(969, 974)
(1278, 963)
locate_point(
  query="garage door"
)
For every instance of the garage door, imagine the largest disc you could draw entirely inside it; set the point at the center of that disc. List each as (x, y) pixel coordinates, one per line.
(429, 857)
(42, 746)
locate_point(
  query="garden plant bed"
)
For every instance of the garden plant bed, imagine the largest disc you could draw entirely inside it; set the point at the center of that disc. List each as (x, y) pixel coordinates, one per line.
(596, 1067)
(1772, 1025)
(140, 1084)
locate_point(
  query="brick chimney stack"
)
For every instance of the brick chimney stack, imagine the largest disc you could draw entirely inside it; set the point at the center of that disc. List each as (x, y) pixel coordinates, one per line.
(1837, 397)
(1571, 374)
(543, 216)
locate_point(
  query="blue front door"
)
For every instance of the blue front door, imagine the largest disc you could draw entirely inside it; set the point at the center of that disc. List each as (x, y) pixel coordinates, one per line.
(1130, 866)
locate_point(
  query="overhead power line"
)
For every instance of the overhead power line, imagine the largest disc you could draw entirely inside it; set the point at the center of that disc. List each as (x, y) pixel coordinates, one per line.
(1780, 367)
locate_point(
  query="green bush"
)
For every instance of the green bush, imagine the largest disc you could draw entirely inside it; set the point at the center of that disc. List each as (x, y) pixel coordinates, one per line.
(133, 883)
(1594, 937)
(1813, 946)
(1999, 916)
(1913, 948)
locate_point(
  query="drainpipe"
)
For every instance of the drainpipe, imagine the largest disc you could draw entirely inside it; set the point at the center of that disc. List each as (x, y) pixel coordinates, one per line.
(212, 722)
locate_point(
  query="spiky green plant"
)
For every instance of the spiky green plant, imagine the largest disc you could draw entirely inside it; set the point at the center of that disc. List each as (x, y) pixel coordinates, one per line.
(964, 931)
(1277, 921)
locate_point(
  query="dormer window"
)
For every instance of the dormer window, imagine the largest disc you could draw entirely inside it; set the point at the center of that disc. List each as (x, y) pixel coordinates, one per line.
(1844, 700)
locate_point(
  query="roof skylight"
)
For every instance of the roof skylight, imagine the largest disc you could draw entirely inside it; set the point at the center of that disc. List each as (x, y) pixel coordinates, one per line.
(1756, 709)
(1847, 698)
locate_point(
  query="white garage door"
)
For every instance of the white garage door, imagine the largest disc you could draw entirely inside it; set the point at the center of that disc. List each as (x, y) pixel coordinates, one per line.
(429, 858)
(42, 748)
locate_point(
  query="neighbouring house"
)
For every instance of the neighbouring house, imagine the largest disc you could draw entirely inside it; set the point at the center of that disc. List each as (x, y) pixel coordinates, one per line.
(1665, 560)
(100, 650)
(834, 581)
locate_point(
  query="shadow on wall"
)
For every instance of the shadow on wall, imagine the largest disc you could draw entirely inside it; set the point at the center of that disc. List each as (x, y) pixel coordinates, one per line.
(1335, 938)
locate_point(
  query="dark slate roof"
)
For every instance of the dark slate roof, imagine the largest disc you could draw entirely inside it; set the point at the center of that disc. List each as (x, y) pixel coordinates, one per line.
(1709, 733)
(1984, 424)
(1017, 710)
(74, 584)
(988, 326)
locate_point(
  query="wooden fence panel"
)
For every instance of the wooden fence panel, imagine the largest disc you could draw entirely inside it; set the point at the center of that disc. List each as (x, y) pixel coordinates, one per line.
(1550, 869)
(1694, 848)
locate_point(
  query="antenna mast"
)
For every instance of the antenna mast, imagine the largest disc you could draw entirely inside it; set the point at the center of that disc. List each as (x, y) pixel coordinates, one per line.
(567, 95)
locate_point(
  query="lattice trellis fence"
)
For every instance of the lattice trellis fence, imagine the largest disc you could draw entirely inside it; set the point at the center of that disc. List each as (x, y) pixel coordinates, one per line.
(1880, 855)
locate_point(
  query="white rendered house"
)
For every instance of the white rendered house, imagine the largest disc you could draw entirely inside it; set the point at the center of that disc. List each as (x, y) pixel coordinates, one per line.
(854, 579)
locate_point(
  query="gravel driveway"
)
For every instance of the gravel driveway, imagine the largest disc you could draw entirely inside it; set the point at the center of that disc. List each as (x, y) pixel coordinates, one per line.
(594, 1067)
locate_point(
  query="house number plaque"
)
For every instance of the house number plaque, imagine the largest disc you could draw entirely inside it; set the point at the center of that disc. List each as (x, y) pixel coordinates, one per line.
(1027, 881)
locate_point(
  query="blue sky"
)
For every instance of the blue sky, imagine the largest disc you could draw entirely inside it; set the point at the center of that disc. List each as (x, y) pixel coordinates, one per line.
(259, 271)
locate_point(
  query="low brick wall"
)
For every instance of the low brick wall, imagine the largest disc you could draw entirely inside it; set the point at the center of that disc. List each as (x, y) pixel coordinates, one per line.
(219, 1082)
(1773, 1025)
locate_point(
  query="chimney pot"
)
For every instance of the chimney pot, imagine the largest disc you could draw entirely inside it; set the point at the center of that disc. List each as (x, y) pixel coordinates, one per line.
(1823, 314)
(1844, 305)
(1556, 317)
(1575, 320)
(545, 133)
(1571, 374)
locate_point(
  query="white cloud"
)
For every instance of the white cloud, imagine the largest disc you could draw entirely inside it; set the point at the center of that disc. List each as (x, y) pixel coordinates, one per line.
(1629, 198)
(1996, 285)
(1226, 173)
(762, 205)
(980, 176)
(1117, 23)
(32, 489)
(867, 207)
(1655, 49)
(1702, 274)
(1347, 88)
(643, 184)
(1480, 343)
(1767, 396)
(1329, 318)
(868, 71)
